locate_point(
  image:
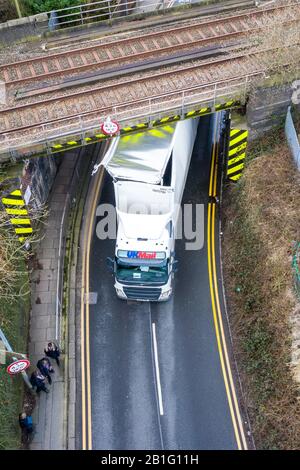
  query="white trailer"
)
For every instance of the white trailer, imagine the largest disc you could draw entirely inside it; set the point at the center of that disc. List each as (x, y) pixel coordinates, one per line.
(149, 172)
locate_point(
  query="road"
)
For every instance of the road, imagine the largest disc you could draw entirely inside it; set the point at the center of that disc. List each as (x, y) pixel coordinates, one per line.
(157, 371)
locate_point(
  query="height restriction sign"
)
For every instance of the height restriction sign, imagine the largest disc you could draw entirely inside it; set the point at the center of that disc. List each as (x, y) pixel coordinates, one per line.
(110, 127)
(18, 366)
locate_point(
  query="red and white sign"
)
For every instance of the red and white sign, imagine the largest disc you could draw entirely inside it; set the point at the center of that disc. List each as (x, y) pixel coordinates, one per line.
(18, 366)
(110, 127)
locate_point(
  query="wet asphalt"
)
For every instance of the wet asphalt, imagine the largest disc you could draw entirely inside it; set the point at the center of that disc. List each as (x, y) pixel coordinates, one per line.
(125, 408)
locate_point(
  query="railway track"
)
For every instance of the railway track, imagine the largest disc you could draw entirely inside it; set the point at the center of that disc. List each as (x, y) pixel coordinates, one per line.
(85, 102)
(29, 118)
(132, 49)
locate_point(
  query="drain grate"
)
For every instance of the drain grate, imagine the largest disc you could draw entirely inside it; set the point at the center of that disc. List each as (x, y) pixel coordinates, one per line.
(91, 298)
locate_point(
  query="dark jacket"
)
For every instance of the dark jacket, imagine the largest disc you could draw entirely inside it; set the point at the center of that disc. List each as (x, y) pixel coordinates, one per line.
(26, 423)
(45, 366)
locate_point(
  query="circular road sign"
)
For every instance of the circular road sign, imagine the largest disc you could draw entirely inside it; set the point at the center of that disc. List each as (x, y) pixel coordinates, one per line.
(110, 127)
(18, 366)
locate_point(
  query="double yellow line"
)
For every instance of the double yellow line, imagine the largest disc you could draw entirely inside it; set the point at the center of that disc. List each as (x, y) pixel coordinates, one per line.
(216, 309)
(85, 318)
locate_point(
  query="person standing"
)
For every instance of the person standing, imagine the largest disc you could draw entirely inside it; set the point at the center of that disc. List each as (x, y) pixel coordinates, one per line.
(46, 368)
(53, 351)
(37, 380)
(26, 426)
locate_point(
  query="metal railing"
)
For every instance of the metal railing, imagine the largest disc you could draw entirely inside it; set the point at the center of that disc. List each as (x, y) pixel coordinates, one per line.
(72, 189)
(296, 268)
(101, 11)
(145, 110)
(292, 137)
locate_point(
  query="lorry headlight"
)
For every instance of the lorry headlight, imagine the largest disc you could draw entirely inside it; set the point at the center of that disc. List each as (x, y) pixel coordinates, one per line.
(165, 295)
(120, 293)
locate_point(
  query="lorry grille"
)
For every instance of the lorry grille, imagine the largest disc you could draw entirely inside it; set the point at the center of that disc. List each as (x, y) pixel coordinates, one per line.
(142, 293)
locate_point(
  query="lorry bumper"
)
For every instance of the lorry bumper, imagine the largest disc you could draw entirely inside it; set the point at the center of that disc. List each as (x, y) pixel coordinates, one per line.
(143, 294)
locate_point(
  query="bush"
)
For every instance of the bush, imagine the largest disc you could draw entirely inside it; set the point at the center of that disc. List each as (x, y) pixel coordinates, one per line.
(37, 6)
(260, 225)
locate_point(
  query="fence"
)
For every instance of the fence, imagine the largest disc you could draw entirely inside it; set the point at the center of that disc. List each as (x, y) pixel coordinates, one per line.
(143, 110)
(292, 137)
(105, 10)
(76, 181)
(296, 268)
(294, 145)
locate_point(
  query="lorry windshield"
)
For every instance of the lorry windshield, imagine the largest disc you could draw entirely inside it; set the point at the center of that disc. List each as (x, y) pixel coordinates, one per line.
(144, 273)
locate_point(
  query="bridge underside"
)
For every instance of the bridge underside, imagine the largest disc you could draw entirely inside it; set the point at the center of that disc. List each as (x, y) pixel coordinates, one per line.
(82, 138)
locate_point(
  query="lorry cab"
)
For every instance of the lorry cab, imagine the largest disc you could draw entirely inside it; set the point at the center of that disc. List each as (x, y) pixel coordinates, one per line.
(141, 273)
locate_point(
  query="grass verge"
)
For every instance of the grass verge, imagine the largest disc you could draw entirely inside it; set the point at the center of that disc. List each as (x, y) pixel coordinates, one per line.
(14, 318)
(261, 220)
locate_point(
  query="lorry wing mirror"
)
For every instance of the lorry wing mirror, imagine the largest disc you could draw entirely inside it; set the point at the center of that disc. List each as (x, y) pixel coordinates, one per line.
(110, 264)
(174, 266)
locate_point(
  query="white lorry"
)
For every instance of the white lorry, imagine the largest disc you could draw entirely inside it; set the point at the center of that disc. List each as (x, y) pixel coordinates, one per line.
(149, 171)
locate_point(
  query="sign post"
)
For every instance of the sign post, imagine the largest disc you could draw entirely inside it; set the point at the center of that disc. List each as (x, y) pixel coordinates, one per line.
(110, 127)
(19, 365)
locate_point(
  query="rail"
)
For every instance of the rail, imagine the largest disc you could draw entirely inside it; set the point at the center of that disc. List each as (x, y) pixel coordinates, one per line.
(146, 109)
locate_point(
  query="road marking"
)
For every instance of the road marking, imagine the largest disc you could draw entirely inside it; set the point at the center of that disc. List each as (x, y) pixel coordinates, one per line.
(14, 204)
(237, 168)
(236, 406)
(217, 316)
(88, 359)
(85, 326)
(159, 392)
(82, 337)
(236, 153)
(237, 159)
(211, 286)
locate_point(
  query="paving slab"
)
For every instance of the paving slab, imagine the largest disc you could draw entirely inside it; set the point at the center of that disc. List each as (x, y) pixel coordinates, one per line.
(71, 443)
(41, 286)
(38, 310)
(49, 253)
(48, 274)
(56, 432)
(37, 334)
(50, 334)
(43, 297)
(42, 322)
(39, 347)
(61, 188)
(45, 263)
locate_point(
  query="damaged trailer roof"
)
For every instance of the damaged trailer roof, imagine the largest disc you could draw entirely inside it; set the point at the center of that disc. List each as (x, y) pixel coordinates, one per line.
(142, 156)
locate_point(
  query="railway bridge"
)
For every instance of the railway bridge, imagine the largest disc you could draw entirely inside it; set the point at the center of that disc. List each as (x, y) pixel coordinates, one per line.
(57, 99)
(138, 375)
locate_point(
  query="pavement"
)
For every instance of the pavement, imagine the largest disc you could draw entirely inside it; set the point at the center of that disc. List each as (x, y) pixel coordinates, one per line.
(49, 415)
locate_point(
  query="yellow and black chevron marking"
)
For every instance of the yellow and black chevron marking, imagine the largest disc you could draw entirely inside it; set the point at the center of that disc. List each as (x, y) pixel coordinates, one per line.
(198, 112)
(14, 205)
(236, 153)
(138, 127)
(61, 147)
(227, 105)
(165, 120)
